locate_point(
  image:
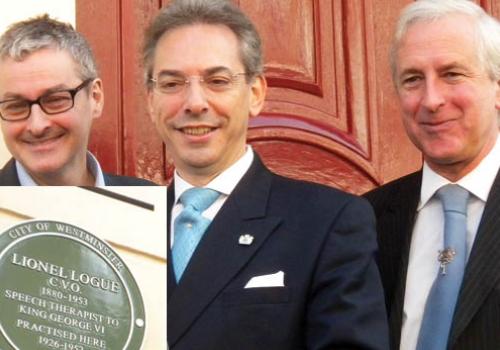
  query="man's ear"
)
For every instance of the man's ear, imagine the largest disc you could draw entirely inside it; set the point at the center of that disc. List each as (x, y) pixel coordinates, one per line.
(97, 98)
(257, 94)
(497, 99)
(150, 98)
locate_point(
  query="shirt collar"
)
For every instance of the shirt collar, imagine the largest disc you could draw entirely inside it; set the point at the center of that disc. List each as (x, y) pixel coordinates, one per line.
(225, 182)
(93, 165)
(478, 182)
(95, 168)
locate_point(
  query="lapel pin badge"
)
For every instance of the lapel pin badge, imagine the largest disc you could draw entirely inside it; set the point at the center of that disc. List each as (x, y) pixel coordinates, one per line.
(245, 239)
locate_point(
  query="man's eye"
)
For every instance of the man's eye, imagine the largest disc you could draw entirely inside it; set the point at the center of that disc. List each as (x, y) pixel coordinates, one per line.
(410, 81)
(218, 81)
(452, 75)
(171, 84)
(54, 99)
(13, 106)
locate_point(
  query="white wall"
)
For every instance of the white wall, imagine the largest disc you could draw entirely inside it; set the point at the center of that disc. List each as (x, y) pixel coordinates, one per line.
(138, 235)
(16, 10)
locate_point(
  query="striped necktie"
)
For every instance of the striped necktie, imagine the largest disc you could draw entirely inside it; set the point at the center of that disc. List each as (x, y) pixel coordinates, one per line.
(440, 306)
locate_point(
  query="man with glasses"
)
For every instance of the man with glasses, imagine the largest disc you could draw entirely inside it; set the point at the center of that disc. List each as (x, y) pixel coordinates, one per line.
(258, 261)
(49, 95)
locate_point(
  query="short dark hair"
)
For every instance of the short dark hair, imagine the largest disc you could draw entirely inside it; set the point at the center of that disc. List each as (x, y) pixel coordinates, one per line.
(220, 12)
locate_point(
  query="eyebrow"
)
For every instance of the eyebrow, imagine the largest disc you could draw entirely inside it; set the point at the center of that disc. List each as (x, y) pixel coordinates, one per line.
(409, 71)
(208, 71)
(453, 65)
(14, 96)
(447, 66)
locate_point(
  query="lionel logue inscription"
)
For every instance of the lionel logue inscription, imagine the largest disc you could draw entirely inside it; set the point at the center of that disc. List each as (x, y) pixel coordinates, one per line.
(63, 288)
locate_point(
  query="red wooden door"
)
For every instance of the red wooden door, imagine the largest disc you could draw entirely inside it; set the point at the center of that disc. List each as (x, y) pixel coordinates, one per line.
(331, 114)
(321, 121)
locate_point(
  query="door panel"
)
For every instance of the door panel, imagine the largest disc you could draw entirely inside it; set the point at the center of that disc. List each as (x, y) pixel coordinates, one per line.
(123, 139)
(321, 97)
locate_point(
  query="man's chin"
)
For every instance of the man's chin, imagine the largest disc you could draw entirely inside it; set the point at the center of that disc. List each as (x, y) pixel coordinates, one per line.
(43, 168)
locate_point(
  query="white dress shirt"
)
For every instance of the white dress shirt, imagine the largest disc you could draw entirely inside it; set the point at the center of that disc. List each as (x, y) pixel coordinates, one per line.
(224, 183)
(92, 164)
(427, 238)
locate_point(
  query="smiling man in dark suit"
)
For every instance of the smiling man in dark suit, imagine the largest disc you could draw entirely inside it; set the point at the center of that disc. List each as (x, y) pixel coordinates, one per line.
(440, 266)
(257, 261)
(50, 94)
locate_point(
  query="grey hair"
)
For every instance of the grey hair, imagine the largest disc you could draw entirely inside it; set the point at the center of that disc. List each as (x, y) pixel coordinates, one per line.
(487, 29)
(26, 37)
(219, 12)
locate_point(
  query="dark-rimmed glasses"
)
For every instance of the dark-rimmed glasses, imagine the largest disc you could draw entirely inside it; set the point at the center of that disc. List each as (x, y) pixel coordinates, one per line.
(54, 102)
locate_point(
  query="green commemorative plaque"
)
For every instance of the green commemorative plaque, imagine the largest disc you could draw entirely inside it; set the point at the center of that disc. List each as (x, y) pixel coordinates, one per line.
(63, 288)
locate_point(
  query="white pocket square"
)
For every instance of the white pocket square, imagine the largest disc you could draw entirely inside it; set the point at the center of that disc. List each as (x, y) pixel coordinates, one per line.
(273, 280)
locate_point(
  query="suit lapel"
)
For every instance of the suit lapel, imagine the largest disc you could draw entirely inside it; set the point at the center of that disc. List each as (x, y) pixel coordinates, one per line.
(396, 228)
(481, 274)
(219, 257)
(8, 174)
(171, 284)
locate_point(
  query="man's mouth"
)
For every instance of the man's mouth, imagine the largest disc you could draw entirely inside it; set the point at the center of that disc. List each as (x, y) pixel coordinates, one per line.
(40, 142)
(437, 123)
(439, 126)
(197, 131)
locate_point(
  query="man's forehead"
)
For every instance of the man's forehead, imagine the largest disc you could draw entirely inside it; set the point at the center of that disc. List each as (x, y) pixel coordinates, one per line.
(206, 71)
(198, 46)
(45, 58)
(38, 73)
(457, 27)
(193, 29)
(451, 59)
(439, 43)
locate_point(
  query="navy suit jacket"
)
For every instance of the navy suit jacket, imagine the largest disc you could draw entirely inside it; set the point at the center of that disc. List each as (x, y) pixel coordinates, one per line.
(476, 323)
(8, 177)
(324, 242)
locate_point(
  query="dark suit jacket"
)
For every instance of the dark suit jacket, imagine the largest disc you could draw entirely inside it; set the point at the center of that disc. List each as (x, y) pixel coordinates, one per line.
(8, 177)
(476, 323)
(322, 239)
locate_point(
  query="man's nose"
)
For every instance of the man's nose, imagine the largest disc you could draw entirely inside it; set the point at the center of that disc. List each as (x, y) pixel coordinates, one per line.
(433, 97)
(38, 120)
(196, 99)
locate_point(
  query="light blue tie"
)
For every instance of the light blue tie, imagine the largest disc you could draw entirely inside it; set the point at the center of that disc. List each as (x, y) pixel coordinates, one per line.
(190, 226)
(440, 306)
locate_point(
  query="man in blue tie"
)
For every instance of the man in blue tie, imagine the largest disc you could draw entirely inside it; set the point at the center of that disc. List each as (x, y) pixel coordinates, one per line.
(256, 261)
(438, 228)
